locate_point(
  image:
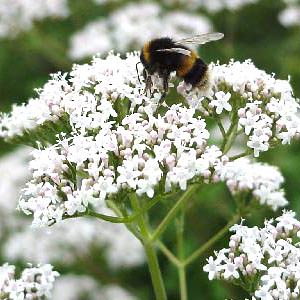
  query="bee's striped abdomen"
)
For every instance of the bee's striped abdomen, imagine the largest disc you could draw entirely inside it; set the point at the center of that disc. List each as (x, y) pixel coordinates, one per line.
(196, 73)
(187, 64)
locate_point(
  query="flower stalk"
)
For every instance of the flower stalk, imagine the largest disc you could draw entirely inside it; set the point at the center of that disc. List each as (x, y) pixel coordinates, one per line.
(191, 190)
(220, 234)
(181, 256)
(150, 251)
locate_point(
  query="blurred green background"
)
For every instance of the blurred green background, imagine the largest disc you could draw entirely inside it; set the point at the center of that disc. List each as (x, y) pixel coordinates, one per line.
(252, 31)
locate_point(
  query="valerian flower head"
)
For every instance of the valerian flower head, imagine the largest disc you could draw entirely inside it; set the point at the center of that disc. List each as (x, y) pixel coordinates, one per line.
(34, 282)
(151, 153)
(261, 180)
(114, 139)
(266, 261)
(267, 109)
(51, 244)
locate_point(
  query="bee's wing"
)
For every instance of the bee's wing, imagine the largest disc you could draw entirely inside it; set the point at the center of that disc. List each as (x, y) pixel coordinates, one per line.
(176, 50)
(202, 38)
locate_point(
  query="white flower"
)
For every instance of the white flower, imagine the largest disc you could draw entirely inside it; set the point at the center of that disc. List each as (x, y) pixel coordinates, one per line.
(212, 268)
(128, 173)
(258, 144)
(262, 180)
(6, 273)
(249, 121)
(287, 221)
(105, 185)
(76, 202)
(35, 282)
(270, 254)
(264, 294)
(230, 270)
(221, 102)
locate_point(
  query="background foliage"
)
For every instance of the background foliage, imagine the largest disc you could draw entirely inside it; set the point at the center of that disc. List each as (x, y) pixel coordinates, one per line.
(250, 32)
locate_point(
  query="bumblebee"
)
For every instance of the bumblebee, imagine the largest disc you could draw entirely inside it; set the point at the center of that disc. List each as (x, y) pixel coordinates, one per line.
(164, 55)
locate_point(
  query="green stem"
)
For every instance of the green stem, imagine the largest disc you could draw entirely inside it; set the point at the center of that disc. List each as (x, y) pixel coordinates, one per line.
(246, 153)
(220, 125)
(180, 246)
(149, 247)
(182, 283)
(232, 132)
(108, 218)
(211, 241)
(155, 272)
(128, 219)
(173, 212)
(130, 226)
(221, 128)
(230, 139)
(172, 258)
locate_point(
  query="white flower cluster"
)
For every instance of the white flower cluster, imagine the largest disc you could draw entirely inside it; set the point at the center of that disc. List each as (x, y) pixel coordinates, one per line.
(290, 16)
(59, 241)
(122, 29)
(262, 180)
(119, 143)
(265, 261)
(19, 15)
(141, 152)
(34, 282)
(144, 154)
(267, 110)
(112, 78)
(212, 6)
(47, 107)
(71, 287)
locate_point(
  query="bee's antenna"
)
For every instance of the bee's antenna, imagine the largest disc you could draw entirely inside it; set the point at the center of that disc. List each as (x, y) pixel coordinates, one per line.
(137, 71)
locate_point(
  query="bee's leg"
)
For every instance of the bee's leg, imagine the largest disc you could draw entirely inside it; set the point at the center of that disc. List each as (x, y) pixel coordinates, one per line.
(145, 74)
(148, 84)
(165, 79)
